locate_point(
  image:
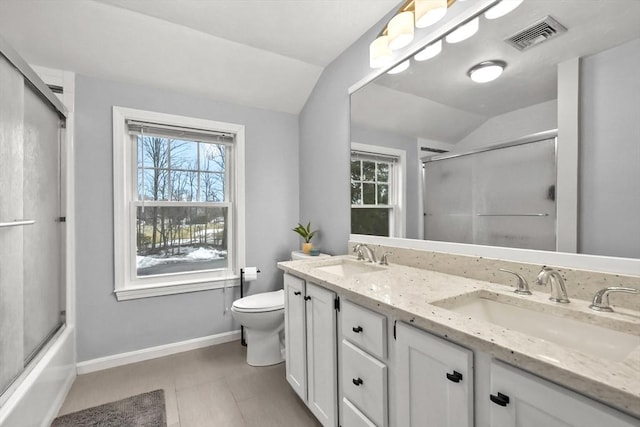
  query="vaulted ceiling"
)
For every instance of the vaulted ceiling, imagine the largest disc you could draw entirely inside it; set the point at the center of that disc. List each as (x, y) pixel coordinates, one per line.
(262, 53)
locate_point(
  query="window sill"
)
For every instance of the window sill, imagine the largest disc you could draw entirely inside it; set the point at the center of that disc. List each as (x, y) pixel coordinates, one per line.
(136, 292)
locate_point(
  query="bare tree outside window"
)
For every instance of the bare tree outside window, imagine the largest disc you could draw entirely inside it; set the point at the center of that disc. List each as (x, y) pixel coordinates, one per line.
(179, 226)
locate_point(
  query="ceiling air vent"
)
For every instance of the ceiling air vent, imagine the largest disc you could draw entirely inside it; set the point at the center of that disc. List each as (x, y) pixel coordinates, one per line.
(534, 34)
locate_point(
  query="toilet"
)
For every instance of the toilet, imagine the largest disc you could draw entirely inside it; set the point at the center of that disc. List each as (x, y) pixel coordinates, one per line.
(262, 316)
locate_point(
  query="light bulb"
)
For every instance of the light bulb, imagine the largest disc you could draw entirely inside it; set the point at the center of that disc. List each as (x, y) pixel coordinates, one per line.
(399, 68)
(379, 52)
(486, 71)
(429, 52)
(463, 32)
(428, 12)
(400, 30)
(502, 8)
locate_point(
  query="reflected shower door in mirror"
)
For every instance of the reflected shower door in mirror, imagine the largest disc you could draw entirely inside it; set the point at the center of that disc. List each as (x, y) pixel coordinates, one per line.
(498, 196)
(434, 108)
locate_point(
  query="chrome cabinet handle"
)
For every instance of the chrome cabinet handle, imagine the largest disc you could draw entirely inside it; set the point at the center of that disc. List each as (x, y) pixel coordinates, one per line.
(17, 223)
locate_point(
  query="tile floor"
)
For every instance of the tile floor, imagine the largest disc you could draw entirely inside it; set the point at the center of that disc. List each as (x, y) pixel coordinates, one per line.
(212, 386)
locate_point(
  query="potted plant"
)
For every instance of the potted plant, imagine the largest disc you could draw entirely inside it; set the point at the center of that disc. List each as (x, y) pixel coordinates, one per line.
(307, 235)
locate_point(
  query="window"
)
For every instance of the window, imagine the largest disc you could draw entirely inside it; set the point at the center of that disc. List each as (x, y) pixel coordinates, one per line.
(178, 208)
(376, 190)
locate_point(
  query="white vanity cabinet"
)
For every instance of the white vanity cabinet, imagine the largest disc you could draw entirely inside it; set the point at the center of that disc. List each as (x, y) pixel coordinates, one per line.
(310, 339)
(434, 380)
(363, 367)
(519, 399)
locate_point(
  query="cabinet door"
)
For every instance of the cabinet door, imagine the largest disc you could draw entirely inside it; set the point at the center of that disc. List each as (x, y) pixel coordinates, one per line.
(534, 402)
(434, 382)
(295, 335)
(322, 397)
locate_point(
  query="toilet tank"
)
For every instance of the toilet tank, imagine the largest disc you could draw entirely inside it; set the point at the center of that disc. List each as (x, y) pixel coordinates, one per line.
(295, 255)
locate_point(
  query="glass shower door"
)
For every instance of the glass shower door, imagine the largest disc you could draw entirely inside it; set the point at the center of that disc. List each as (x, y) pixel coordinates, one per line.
(43, 253)
(32, 282)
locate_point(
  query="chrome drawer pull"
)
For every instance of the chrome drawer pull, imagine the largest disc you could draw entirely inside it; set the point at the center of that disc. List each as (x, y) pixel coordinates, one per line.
(357, 330)
(357, 381)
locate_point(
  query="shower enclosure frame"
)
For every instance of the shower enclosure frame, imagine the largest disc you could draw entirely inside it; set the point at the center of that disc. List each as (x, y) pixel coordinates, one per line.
(37, 393)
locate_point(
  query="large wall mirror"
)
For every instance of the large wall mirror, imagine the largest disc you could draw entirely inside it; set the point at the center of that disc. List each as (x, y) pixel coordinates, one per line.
(437, 156)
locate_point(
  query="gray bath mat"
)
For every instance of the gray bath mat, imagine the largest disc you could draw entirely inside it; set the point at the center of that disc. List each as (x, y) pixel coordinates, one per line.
(143, 410)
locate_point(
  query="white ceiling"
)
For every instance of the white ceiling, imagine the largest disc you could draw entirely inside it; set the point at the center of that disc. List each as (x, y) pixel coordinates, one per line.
(439, 87)
(261, 53)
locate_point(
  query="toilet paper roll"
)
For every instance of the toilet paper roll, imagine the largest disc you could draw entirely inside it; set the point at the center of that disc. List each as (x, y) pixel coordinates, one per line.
(250, 274)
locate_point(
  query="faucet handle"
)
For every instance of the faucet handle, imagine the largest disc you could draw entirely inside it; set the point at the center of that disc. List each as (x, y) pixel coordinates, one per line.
(358, 249)
(601, 298)
(384, 258)
(523, 286)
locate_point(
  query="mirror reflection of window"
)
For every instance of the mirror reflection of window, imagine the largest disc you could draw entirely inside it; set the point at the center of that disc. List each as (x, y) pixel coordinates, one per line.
(374, 207)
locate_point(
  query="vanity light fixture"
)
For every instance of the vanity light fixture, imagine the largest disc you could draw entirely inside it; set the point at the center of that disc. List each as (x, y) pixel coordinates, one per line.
(464, 32)
(379, 52)
(428, 12)
(502, 8)
(486, 71)
(429, 52)
(400, 30)
(400, 67)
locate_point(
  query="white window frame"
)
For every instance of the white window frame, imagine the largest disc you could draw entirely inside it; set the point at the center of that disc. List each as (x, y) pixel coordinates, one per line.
(127, 284)
(398, 217)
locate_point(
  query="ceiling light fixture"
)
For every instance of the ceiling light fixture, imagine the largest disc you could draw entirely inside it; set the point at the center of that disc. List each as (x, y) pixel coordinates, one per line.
(400, 30)
(486, 71)
(463, 32)
(429, 52)
(502, 8)
(379, 52)
(428, 12)
(399, 68)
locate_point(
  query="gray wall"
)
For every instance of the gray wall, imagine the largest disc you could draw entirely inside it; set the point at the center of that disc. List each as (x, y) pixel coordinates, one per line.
(365, 135)
(324, 147)
(106, 326)
(609, 220)
(324, 138)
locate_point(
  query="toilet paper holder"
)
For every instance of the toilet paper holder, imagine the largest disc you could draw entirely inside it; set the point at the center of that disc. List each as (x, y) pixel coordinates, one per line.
(242, 340)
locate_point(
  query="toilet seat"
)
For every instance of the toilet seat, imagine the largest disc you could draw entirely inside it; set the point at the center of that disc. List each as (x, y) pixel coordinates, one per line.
(259, 303)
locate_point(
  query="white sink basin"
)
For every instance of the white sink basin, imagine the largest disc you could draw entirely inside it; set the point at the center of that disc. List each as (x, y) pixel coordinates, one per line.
(347, 268)
(584, 337)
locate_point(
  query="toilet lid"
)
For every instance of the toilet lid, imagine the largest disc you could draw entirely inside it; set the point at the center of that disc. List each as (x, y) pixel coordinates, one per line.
(266, 301)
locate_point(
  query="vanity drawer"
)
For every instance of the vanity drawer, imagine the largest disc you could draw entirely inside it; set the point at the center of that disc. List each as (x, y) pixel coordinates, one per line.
(352, 417)
(364, 383)
(365, 328)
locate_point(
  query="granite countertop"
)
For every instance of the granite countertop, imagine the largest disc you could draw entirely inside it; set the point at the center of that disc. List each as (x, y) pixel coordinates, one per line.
(408, 294)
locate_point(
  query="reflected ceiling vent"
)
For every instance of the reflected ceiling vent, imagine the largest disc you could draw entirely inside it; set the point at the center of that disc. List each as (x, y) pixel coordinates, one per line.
(537, 33)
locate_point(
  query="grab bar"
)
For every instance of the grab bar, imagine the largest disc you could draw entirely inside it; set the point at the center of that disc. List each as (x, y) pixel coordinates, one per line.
(17, 222)
(532, 214)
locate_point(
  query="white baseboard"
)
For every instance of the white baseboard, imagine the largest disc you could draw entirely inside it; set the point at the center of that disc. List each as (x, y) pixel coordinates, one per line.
(121, 359)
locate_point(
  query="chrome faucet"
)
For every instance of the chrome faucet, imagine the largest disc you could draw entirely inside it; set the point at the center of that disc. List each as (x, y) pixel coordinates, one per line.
(385, 258)
(558, 291)
(523, 286)
(360, 248)
(601, 298)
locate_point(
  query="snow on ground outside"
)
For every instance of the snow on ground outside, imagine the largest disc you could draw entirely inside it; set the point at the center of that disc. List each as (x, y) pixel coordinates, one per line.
(190, 254)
